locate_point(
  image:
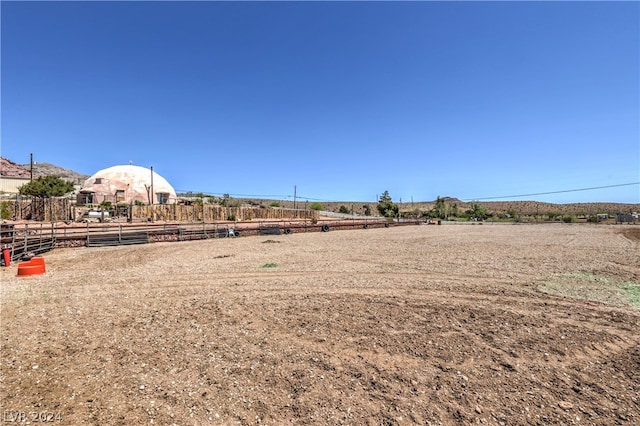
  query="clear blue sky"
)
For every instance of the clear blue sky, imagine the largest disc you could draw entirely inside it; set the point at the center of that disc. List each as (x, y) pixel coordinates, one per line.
(342, 100)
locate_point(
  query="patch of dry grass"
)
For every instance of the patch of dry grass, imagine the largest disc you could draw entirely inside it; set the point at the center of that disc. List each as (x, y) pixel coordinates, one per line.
(595, 288)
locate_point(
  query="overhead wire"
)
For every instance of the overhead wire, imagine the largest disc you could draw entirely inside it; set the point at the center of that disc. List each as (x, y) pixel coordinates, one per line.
(551, 192)
(303, 198)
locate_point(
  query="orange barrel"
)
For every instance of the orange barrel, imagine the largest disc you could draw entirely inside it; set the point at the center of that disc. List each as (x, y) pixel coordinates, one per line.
(6, 255)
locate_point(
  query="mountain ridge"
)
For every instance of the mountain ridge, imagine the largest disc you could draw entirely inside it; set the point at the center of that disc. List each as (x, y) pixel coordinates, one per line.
(9, 168)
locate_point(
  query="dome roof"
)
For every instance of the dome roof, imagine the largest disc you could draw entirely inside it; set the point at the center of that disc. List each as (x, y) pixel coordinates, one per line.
(128, 184)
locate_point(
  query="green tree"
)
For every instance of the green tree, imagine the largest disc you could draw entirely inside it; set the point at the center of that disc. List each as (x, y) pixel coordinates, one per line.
(316, 206)
(367, 210)
(344, 210)
(386, 206)
(46, 187)
(454, 210)
(440, 209)
(478, 212)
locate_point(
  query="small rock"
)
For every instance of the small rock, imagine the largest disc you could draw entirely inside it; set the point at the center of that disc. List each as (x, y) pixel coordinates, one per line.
(565, 405)
(478, 410)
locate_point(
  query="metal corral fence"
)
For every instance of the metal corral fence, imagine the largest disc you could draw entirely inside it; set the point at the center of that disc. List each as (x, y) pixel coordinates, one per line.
(37, 238)
(22, 239)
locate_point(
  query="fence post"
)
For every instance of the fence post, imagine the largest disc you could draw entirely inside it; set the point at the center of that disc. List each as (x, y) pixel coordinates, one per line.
(13, 242)
(26, 235)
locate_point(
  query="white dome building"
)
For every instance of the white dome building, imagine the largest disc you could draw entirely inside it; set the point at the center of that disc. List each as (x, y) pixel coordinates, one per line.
(126, 184)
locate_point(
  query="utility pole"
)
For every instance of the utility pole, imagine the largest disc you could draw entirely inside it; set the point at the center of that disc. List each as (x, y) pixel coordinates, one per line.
(31, 164)
(152, 209)
(294, 197)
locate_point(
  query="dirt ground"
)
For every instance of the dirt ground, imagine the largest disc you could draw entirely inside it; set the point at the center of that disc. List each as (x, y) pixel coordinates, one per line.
(452, 324)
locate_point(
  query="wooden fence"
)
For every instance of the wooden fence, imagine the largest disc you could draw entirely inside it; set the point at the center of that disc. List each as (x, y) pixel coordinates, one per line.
(214, 213)
(39, 209)
(65, 210)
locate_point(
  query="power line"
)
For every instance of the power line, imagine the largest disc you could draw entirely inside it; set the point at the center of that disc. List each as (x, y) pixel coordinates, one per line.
(552, 192)
(313, 199)
(221, 194)
(302, 197)
(259, 196)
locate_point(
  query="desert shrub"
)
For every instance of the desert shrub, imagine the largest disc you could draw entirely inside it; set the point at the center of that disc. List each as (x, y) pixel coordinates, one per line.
(316, 206)
(232, 217)
(274, 204)
(344, 210)
(5, 210)
(567, 218)
(553, 215)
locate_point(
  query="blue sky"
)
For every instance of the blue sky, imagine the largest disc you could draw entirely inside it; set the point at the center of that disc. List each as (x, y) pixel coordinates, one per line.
(341, 100)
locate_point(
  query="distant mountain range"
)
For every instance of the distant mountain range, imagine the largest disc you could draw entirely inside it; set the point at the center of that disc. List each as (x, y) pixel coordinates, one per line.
(10, 169)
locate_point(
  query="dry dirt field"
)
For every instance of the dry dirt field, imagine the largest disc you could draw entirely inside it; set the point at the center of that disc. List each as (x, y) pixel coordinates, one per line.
(452, 324)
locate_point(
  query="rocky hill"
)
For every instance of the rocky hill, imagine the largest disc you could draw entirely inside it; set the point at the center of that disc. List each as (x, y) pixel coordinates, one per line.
(520, 208)
(533, 208)
(10, 169)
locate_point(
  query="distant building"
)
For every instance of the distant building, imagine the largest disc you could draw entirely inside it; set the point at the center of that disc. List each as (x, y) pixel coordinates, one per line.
(10, 185)
(126, 184)
(625, 218)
